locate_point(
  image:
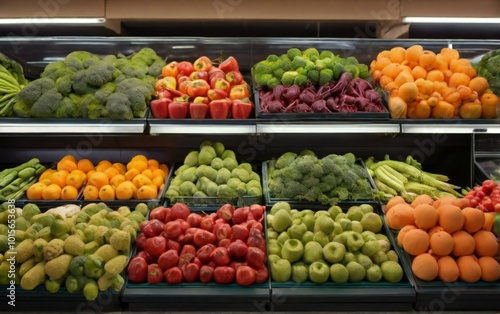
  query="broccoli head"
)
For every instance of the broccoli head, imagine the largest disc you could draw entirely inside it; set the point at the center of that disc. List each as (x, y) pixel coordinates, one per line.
(118, 107)
(72, 63)
(67, 108)
(91, 108)
(289, 77)
(285, 160)
(34, 89)
(99, 74)
(325, 76)
(83, 55)
(64, 84)
(46, 105)
(104, 91)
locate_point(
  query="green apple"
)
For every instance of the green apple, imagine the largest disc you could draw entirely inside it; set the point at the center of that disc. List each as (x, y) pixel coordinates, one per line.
(283, 237)
(334, 252)
(355, 213)
(356, 271)
(307, 212)
(297, 231)
(364, 260)
(319, 272)
(295, 213)
(334, 210)
(356, 226)
(321, 213)
(381, 236)
(349, 257)
(385, 246)
(339, 273)
(309, 220)
(300, 272)
(280, 205)
(370, 247)
(354, 241)
(307, 237)
(313, 251)
(281, 269)
(374, 273)
(379, 257)
(345, 223)
(282, 220)
(337, 230)
(321, 238)
(366, 208)
(292, 250)
(325, 224)
(270, 219)
(296, 221)
(274, 247)
(340, 216)
(371, 222)
(368, 235)
(392, 271)
(341, 238)
(392, 256)
(271, 234)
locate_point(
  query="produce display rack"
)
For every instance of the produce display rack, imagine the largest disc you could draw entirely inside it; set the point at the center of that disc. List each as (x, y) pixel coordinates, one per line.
(257, 139)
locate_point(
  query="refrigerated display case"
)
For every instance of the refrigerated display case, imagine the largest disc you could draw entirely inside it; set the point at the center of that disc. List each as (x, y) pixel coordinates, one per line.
(444, 146)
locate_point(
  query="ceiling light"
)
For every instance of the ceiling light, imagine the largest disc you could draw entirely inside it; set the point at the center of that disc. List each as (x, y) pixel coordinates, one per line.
(451, 20)
(43, 21)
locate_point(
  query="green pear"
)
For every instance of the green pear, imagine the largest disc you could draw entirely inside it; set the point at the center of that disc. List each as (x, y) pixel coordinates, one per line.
(283, 237)
(295, 213)
(336, 230)
(334, 252)
(379, 257)
(370, 247)
(366, 208)
(309, 220)
(313, 251)
(319, 272)
(321, 213)
(392, 256)
(334, 210)
(297, 231)
(321, 238)
(349, 257)
(271, 234)
(300, 272)
(381, 236)
(281, 269)
(356, 226)
(270, 219)
(374, 273)
(339, 273)
(345, 223)
(282, 220)
(296, 221)
(371, 222)
(385, 246)
(356, 271)
(364, 260)
(292, 250)
(340, 216)
(280, 205)
(368, 235)
(392, 271)
(354, 241)
(325, 224)
(307, 237)
(355, 213)
(341, 238)
(274, 247)
(307, 212)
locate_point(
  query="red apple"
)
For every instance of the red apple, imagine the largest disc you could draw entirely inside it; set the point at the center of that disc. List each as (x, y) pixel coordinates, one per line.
(173, 229)
(190, 272)
(157, 213)
(206, 273)
(194, 219)
(224, 242)
(223, 231)
(207, 223)
(239, 232)
(240, 215)
(188, 248)
(173, 275)
(202, 237)
(255, 257)
(237, 249)
(180, 210)
(220, 256)
(226, 212)
(203, 253)
(168, 259)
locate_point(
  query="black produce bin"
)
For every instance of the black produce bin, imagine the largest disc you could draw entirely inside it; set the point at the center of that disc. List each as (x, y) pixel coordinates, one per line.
(350, 296)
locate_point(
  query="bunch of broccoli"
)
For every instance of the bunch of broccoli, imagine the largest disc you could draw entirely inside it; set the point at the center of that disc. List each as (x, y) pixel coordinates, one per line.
(296, 67)
(489, 68)
(214, 172)
(328, 180)
(84, 85)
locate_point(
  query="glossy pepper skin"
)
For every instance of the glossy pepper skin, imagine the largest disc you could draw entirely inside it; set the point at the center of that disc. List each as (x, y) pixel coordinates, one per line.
(241, 109)
(197, 88)
(178, 109)
(159, 108)
(198, 109)
(220, 108)
(239, 92)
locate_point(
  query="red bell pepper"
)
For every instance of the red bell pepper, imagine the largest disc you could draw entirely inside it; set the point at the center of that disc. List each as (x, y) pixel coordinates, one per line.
(234, 77)
(170, 69)
(199, 75)
(184, 83)
(216, 72)
(178, 108)
(197, 88)
(220, 108)
(228, 65)
(185, 67)
(166, 82)
(241, 108)
(159, 107)
(239, 91)
(221, 84)
(202, 64)
(214, 94)
(198, 109)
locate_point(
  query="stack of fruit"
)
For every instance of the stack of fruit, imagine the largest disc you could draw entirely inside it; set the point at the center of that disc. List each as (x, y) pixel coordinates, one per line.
(329, 245)
(202, 90)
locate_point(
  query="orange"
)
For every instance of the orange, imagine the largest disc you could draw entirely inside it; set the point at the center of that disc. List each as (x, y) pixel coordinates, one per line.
(490, 268)
(158, 181)
(52, 192)
(399, 216)
(448, 269)
(397, 54)
(457, 79)
(408, 91)
(393, 202)
(99, 179)
(441, 63)
(69, 193)
(486, 243)
(434, 229)
(89, 174)
(159, 172)
(34, 192)
(140, 180)
(125, 191)
(68, 157)
(90, 193)
(403, 77)
(435, 76)
(419, 72)
(392, 70)
(148, 173)
(474, 219)
(121, 167)
(382, 63)
(383, 54)
(107, 193)
(425, 88)
(116, 180)
(422, 199)
(137, 164)
(153, 163)
(85, 165)
(402, 233)
(103, 165)
(456, 64)
(449, 54)
(139, 157)
(450, 218)
(425, 267)
(59, 177)
(46, 174)
(129, 175)
(376, 75)
(413, 53)
(75, 180)
(111, 172)
(470, 271)
(384, 80)
(416, 241)
(489, 221)
(441, 243)
(147, 192)
(426, 216)
(427, 60)
(479, 84)
(67, 165)
(463, 243)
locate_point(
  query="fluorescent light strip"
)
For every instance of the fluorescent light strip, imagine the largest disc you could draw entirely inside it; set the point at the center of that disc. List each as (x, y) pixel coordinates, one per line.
(42, 21)
(464, 20)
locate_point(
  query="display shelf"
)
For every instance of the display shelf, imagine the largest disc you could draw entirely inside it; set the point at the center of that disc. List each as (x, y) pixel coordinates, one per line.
(450, 127)
(331, 127)
(78, 126)
(187, 126)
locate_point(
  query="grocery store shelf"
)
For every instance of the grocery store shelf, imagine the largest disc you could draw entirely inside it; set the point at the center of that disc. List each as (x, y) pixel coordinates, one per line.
(196, 128)
(73, 128)
(432, 128)
(316, 127)
(41, 10)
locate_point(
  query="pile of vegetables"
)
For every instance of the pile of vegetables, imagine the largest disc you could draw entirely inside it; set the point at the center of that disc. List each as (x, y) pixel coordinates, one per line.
(407, 179)
(328, 180)
(345, 95)
(85, 85)
(213, 171)
(489, 68)
(296, 67)
(15, 181)
(202, 90)
(80, 249)
(12, 80)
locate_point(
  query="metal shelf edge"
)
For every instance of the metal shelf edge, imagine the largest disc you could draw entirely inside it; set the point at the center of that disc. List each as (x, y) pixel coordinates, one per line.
(328, 128)
(73, 128)
(450, 128)
(201, 129)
